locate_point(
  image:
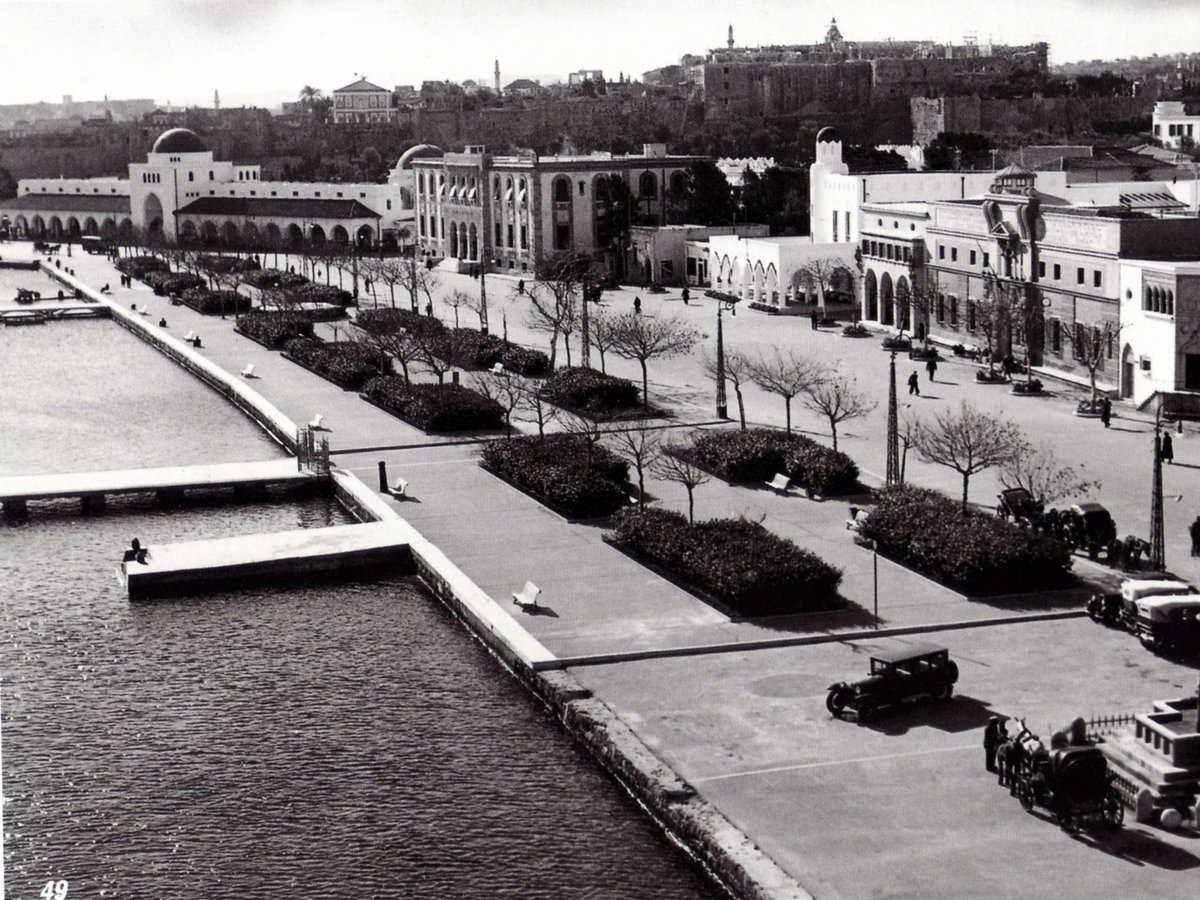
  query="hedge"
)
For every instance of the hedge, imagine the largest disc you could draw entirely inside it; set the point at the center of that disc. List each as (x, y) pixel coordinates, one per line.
(165, 283)
(757, 454)
(211, 262)
(140, 266)
(274, 328)
(565, 471)
(741, 564)
(590, 392)
(346, 364)
(435, 407)
(388, 321)
(317, 293)
(271, 278)
(214, 303)
(462, 347)
(975, 552)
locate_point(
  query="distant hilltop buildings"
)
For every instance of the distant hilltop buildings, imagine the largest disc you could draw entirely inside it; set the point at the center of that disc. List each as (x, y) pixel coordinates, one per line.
(70, 113)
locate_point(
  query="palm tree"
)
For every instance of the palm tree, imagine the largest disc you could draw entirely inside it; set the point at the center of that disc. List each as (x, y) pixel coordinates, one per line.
(309, 95)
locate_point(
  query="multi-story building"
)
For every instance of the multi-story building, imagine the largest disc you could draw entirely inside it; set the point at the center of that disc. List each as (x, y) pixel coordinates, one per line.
(522, 207)
(361, 102)
(182, 193)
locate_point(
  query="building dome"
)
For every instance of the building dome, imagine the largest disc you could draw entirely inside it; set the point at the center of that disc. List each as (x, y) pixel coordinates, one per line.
(827, 135)
(179, 140)
(420, 151)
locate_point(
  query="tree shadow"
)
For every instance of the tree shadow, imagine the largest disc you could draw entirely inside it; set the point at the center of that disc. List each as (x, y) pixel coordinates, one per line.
(960, 714)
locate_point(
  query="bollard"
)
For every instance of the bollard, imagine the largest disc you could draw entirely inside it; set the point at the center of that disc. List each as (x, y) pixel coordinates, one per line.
(383, 482)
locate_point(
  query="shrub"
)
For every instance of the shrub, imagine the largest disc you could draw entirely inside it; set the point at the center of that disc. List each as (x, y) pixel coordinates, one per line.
(1033, 386)
(924, 353)
(275, 328)
(757, 454)
(212, 303)
(896, 343)
(566, 471)
(165, 283)
(820, 469)
(346, 364)
(225, 264)
(272, 278)
(858, 329)
(989, 376)
(740, 563)
(386, 321)
(590, 392)
(435, 407)
(140, 266)
(976, 552)
(317, 293)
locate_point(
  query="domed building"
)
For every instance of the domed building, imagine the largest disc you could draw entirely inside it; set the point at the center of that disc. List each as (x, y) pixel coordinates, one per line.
(183, 193)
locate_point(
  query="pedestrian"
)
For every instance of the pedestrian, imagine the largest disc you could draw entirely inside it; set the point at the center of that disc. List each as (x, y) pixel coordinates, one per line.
(429, 308)
(637, 305)
(162, 323)
(520, 285)
(1106, 411)
(1007, 365)
(914, 384)
(812, 320)
(1166, 450)
(931, 367)
(685, 296)
(994, 734)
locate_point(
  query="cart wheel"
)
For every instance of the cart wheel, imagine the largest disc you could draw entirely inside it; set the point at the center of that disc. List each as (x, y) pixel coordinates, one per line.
(1025, 794)
(836, 702)
(867, 712)
(1069, 821)
(1114, 810)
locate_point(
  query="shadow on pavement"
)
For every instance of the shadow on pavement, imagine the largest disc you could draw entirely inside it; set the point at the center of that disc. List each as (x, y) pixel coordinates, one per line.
(851, 617)
(1141, 848)
(1045, 601)
(962, 713)
(539, 611)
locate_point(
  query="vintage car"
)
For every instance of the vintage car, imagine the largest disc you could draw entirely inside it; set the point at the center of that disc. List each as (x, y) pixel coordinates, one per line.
(910, 672)
(1073, 783)
(1019, 505)
(1169, 623)
(1089, 527)
(1121, 608)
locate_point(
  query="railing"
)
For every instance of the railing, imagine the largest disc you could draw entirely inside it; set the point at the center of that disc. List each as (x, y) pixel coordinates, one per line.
(1102, 725)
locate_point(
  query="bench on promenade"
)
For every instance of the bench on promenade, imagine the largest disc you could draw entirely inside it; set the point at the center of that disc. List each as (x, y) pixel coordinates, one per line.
(779, 483)
(498, 369)
(526, 598)
(248, 372)
(400, 488)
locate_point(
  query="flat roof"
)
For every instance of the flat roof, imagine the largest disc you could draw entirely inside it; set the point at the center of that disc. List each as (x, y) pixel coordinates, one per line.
(907, 651)
(278, 207)
(84, 203)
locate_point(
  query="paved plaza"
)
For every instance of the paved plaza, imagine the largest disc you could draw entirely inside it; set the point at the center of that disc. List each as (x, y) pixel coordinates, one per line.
(746, 724)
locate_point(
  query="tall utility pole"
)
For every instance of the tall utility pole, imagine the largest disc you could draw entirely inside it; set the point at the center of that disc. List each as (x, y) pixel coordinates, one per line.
(893, 429)
(585, 338)
(1158, 554)
(485, 241)
(722, 402)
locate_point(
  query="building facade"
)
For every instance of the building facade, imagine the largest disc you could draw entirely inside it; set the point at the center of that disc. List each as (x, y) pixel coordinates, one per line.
(361, 102)
(1173, 126)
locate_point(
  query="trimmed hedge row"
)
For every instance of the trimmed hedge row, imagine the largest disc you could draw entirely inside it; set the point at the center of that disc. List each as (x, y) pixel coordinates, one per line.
(590, 392)
(223, 264)
(271, 278)
(214, 303)
(462, 347)
(435, 407)
(976, 552)
(165, 283)
(274, 328)
(742, 564)
(317, 293)
(346, 364)
(565, 471)
(140, 266)
(757, 454)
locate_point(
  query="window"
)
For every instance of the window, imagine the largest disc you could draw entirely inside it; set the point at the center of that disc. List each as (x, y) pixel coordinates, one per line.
(509, 242)
(972, 257)
(562, 237)
(953, 254)
(1079, 275)
(941, 252)
(835, 226)
(191, 176)
(1078, 350)
(1055, 341)
(1096, 278)
(986, 261)
(339, 193)
(210, 175)
(970, 315)
(953, 312)
(1041, 270)
(941, 308)
(847, 222)
(1057, 272)
(581, 189)
(389, 204)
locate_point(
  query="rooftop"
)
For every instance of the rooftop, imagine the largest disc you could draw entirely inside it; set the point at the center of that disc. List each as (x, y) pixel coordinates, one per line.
(289, 208)
(362, 86)
(83, 203)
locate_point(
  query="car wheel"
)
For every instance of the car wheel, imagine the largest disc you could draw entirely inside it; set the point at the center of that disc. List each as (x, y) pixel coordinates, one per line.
(1025, 794)
(867, 712)
(1069, 821)
(836, 702)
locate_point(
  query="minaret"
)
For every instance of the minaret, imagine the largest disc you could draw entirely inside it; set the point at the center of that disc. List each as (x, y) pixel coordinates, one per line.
(729, 41)
(497, 76)
(216, 100)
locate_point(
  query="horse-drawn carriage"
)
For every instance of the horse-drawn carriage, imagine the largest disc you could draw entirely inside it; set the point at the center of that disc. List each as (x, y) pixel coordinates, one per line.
(1020, 506)
(1075, 785)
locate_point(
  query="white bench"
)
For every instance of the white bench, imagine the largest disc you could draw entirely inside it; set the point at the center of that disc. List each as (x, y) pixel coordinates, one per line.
(248, 372)
(527, 596)
(400, 488)
(317, 423)
(190, 336)
(498, 369)
(779, 483)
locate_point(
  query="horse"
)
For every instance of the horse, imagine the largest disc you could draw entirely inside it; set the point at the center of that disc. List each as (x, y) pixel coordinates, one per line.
(1012, 756)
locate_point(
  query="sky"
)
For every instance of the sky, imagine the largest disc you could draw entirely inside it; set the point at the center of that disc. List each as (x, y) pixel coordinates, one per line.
(259, 52)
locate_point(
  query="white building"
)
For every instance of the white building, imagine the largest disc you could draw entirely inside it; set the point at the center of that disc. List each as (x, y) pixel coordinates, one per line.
(361, 102)
(1173, 126)
(776, 273)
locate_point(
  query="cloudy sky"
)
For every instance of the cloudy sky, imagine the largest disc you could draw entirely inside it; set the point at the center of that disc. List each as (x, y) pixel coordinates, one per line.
(263, 51)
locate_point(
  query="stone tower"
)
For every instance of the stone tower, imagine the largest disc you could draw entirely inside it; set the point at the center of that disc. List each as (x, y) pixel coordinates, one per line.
(216, 99)
(497, 71)
(729, 40)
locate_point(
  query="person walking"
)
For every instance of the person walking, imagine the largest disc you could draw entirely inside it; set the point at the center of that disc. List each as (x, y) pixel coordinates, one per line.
(914, 384)
(1166, 449)
(637, 305)
(686, 296)
(1106, 411)
(994, 734)
(931, 368)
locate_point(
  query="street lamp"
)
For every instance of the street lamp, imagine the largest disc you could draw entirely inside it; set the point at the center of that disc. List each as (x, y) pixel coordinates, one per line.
(1158, 553)
(722, 402)
(893, 430)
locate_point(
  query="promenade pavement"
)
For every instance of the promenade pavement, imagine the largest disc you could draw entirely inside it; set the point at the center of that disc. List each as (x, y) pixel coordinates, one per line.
(749, 729)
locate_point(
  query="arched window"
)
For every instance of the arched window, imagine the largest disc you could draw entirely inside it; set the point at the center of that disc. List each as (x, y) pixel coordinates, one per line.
(1170, 309)
(678, 183)
(648, 185)
(562, 190)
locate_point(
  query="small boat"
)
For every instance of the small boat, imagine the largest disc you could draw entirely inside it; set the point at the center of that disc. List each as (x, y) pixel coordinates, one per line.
(27, 296)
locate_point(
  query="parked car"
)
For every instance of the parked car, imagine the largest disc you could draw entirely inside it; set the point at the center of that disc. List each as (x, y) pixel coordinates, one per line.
(1169, 623)
(1020, 505)
(908, 673)
(1121, 608)
(1090, 527)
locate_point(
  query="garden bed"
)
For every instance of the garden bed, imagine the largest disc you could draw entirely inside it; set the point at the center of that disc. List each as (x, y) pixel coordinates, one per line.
(749, 571)
(566, 472)
(140, 266)
(215, 303)
(974, 552)
(466, 348)
(348, 365)
(273, 278)
(758, 454)
(273, 329)
(434, 408)
(1032, 388)
(856, 331)
(167, 283)
(593, 394)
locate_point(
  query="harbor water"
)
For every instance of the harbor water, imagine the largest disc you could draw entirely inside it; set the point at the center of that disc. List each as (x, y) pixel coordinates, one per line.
(348, 741)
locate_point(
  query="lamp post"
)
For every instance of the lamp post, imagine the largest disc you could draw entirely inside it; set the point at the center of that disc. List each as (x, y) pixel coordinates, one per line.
(1158, 554)
(722, 402)
(893, 429)
(875, 576)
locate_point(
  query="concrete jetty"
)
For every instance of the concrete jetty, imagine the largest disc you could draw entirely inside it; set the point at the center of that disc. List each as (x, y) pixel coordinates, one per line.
(314, 553)
(169, 483)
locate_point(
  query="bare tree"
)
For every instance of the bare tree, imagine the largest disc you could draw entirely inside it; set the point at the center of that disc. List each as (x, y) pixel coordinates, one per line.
(429, 347)
(671, 467)
(838, 399)
(1037, 470)
(644, 338)
(967, 441)
(737, 369)
(475, 303)
(906, 430)
(641, 445)
(400, 343)
(821, 272)
(602, 334)
(1091, 345)
(552, 302)
(504, 387)
(532, 402)
(457, 299)
(417, 280)
(785, 374)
